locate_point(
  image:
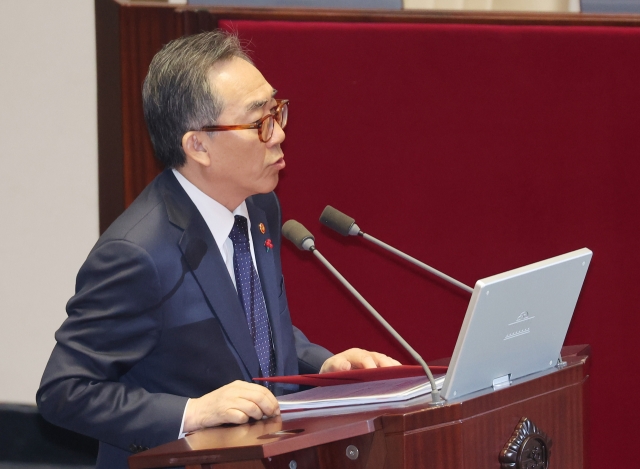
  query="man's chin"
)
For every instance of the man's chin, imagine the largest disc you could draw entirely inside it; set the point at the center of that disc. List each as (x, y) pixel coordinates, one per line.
(270, 184)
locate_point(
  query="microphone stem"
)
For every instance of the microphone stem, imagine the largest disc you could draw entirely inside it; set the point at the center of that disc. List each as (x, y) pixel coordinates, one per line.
(416, 262)
(435, 394)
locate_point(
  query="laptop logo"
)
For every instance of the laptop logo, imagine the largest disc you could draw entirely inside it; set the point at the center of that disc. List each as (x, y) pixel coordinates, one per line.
(524, 316)
(513, 335)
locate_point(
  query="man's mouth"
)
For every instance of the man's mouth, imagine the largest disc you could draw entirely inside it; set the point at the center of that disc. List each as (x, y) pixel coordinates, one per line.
(279, 163)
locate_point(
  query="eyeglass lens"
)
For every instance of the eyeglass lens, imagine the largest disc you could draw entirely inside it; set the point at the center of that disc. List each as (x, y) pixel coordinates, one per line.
(266, 130)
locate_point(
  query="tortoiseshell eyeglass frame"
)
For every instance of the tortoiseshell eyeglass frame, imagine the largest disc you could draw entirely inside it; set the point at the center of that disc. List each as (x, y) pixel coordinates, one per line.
(265, 125)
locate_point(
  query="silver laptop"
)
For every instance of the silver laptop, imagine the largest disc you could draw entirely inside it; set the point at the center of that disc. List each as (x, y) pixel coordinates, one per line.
(515, 324)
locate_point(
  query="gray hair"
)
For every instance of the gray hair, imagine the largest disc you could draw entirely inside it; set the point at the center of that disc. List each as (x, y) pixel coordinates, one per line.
(176, 95)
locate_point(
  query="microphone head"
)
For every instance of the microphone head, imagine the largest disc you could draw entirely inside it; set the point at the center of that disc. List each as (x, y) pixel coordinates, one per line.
(338, 221)
(298, 235)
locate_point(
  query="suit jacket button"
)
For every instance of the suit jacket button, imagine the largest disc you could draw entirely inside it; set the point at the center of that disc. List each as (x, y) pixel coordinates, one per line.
(132, 448)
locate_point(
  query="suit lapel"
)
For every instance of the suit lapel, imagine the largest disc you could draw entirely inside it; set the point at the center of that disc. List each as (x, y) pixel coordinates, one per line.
(205, 261)
(268, 277)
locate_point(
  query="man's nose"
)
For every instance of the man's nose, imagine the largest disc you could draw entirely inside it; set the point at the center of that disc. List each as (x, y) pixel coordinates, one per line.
(277, 137)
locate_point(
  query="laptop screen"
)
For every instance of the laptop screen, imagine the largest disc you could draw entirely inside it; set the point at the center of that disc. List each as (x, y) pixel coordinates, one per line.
(516, 323)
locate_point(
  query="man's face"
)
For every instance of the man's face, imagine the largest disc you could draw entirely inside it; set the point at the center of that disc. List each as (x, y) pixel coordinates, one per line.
(241, 165)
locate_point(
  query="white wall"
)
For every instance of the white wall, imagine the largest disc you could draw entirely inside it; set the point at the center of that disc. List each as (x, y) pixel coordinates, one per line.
(498, 5)
(48, 177)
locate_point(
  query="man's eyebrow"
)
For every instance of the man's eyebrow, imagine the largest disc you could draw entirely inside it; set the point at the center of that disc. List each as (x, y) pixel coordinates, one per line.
(258, 104)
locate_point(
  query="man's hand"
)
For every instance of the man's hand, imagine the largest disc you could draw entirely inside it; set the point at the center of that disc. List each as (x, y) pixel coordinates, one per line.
(357, 358)
(234, 403)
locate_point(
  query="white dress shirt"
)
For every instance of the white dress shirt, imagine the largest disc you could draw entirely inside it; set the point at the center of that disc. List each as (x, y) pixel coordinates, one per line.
(219, 220)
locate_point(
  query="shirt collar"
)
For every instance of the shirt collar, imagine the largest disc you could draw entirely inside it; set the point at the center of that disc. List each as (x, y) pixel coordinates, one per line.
(217, 217)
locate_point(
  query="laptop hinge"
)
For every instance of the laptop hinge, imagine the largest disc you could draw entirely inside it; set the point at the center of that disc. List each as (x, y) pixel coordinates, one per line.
(502, 382)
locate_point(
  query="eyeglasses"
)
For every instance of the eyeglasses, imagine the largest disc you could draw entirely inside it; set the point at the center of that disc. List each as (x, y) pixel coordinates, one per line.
(264, 125)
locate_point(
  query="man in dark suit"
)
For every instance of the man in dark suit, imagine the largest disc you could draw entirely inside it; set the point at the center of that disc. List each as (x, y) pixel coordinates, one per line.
(182, 300)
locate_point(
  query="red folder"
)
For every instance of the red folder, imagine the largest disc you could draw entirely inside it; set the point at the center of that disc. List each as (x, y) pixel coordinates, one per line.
(355, 376)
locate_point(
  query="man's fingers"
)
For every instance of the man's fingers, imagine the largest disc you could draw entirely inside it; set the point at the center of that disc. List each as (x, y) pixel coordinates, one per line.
(357, 358)
(242, 410)
(342, 364)
(367, 361)
(249, 408)
(361, 358)
(236, 416)
(345, 365)
(267, 404)
(259, 396)
(335, 363)
(383, 360)
(234, 403)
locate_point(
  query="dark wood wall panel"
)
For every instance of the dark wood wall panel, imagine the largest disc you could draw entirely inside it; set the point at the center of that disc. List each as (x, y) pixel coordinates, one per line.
(110, 145)
(143, 32)
(198, 21)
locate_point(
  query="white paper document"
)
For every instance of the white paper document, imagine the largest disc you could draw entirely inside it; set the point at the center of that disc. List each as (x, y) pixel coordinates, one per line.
(372, 392)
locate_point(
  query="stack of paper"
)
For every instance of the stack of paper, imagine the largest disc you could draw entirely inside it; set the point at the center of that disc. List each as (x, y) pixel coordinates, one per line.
(373, 392)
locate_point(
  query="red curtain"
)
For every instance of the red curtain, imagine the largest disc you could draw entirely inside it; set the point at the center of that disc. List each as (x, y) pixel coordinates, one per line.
(476, 149)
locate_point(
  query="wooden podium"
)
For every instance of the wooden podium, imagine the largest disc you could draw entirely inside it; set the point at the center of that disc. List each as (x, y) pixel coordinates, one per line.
(537, 421)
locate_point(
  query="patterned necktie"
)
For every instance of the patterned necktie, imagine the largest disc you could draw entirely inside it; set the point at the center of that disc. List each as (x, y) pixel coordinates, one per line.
(251, 297)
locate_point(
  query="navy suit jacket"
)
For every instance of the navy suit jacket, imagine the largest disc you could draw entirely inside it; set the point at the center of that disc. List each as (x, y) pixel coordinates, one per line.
(156, 320)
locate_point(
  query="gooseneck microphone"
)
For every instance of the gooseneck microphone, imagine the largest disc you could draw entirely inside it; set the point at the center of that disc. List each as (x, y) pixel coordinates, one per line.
(304, 240)
(346, 226)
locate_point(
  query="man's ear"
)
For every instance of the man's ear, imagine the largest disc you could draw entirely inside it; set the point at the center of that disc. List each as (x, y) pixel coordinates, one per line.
(193, 147)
